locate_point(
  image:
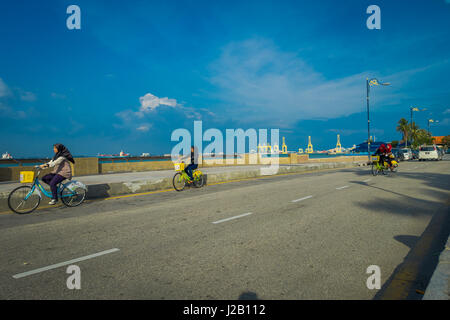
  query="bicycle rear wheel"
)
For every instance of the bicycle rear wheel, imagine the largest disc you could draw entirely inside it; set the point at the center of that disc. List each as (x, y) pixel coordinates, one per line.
(19, 203)
(72, 198)
(199, 180)
(178, 181)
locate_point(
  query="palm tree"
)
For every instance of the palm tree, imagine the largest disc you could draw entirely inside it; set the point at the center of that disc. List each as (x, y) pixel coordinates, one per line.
(403, 127)
(413, 133)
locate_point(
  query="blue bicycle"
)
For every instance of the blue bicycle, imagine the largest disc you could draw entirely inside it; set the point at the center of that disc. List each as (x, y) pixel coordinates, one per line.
(25, 199)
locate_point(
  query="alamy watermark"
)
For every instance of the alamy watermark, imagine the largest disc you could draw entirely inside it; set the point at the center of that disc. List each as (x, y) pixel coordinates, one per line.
(74, 280)
(231, 149)
(374, 20)
(374, 280)
(74, 20)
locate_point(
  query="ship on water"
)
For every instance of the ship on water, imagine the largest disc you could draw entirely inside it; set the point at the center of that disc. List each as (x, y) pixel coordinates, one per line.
(120, 155)
(6, 155)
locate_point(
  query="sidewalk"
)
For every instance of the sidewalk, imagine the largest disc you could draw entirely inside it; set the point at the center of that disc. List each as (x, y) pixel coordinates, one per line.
(439, 286)
(108, 185)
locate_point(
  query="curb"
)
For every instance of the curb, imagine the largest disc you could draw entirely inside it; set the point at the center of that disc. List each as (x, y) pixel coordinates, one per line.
(439, 285)
(106, 190)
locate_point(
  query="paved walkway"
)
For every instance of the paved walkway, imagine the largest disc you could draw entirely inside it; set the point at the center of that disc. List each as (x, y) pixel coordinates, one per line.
(135, 176)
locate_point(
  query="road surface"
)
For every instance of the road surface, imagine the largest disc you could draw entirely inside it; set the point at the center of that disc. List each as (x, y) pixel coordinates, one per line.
(300, 236)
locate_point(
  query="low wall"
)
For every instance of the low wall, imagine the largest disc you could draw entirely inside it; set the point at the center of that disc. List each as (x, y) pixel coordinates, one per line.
(134, 166)
(92, 166)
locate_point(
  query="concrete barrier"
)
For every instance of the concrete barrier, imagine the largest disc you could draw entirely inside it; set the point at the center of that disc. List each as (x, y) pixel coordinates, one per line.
(93, 165)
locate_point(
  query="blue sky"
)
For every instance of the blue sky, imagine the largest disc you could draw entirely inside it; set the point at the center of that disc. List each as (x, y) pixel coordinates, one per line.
(137, 70)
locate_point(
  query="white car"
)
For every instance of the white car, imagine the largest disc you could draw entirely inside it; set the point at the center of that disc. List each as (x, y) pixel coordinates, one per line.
(407, 153)
(429, 153)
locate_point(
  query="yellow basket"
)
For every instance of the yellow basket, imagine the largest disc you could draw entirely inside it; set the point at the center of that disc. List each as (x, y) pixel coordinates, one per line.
(375, 158)
(179, 166)
(26, 176)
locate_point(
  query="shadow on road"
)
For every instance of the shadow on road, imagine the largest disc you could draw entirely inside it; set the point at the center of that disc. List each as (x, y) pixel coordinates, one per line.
(248, 295)
(434, 180)
(409, 241)
(410, 279)
(407, 205)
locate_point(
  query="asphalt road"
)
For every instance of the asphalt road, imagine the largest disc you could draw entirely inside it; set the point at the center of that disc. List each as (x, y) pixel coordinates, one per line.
(302, 236)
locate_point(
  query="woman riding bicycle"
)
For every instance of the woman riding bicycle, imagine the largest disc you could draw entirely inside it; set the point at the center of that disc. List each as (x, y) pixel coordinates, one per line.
(193, 164)
(62, 169)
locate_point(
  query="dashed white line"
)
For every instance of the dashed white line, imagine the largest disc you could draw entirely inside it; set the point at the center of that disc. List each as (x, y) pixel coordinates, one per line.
(301, 199)
(367, 180)
(235, 217)
(54, 266)
(340, 188)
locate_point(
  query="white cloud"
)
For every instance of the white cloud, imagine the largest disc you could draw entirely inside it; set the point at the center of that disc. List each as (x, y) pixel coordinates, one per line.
(143, 128)
(27, 96)
(55, 95)
(150, 102)
(446, 111)
(7, 112)
(4, 90)
(275, 87)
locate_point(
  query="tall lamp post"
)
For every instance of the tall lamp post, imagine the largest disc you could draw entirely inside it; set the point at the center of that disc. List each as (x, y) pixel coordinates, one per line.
(412, 109)
(371, 82)
(431, 120)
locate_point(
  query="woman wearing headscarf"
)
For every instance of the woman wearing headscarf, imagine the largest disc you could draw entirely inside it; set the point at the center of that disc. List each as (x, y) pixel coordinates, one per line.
(193, 164)
(61, 169)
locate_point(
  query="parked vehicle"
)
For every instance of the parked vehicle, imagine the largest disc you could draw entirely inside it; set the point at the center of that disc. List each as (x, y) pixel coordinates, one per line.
(429, 152)
(406, 153)
(397, 154)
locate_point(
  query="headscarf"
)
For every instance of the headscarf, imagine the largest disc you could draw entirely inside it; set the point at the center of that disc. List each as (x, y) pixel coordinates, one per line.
(389, 147)
(62, 152)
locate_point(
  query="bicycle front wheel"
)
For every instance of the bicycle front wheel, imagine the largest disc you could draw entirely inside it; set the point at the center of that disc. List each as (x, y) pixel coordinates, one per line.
(178, 181)
(21, 201)
(374, 169)
(73, 198)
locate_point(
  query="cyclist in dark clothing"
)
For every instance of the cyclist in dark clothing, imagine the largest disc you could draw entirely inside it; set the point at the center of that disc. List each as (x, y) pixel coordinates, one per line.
(193, 164)
(381, 152)
(388, 155)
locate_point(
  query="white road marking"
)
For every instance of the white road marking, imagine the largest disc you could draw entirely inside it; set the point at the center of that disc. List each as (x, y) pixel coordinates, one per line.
(301, 199)
(235, 217)
(367, 180)
(340, 188)
(54, 266)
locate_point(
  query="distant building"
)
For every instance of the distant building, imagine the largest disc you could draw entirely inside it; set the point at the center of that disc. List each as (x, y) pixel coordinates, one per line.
(438, 140)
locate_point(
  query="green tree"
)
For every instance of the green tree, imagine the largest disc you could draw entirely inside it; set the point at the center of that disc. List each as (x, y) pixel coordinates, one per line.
(446, 141)
(413, 133)
(403, 127)
(423, 137)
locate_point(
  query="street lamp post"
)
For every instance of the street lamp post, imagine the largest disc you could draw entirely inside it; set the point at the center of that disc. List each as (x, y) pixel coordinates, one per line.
(373, 82)
(412, 110)
(431, 120)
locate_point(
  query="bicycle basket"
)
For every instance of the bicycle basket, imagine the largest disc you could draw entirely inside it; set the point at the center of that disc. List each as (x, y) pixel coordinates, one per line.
(73, 184)
(179, 166)
(375, 158)
(26, 176)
